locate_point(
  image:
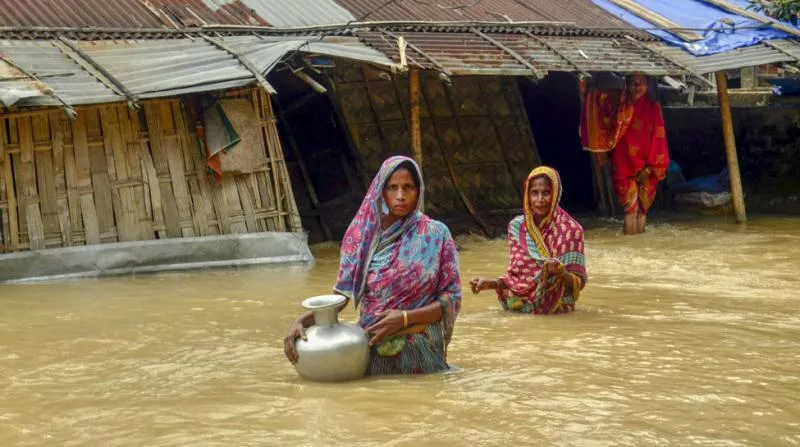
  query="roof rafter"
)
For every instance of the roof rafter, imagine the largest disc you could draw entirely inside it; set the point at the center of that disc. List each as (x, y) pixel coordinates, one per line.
(89, 64)
(543, 42)
(536, 71)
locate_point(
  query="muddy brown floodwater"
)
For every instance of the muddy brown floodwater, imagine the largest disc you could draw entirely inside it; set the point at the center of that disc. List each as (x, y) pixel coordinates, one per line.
(688, 335)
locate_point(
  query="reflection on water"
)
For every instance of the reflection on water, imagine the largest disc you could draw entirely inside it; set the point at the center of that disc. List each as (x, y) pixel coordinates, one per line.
(687, 335)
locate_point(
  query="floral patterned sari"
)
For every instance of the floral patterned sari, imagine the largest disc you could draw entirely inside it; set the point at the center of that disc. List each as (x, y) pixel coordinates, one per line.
(409, 265)
(527, 286)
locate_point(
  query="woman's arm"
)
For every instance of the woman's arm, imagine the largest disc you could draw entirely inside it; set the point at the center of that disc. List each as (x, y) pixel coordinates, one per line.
(479, 284)
(424, 315)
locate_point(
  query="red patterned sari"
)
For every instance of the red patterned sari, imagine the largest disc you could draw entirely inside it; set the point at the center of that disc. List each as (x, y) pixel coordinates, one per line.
(635, 133)
(527, 286)
(643, 145)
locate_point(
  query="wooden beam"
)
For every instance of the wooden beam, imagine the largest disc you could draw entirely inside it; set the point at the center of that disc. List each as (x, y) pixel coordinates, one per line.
(11, 195)
(536, 71)
(419, 51)
(414, 117)
(657, 20)
(730, 7)
(730, 147)
(415, 126)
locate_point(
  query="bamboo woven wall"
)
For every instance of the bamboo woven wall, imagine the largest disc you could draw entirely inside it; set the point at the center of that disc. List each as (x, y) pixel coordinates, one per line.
(115, 174)
(476, 138)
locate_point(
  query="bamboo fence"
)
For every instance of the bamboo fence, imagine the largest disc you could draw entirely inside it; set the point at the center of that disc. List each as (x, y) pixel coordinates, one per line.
(116, 174)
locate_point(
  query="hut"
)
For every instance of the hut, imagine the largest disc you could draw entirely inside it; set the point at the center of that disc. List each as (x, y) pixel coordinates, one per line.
(105, 160)
(104, 125)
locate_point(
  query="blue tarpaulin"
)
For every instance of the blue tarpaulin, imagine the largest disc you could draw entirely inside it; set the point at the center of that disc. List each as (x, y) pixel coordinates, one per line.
(700, 16)
(785, 87)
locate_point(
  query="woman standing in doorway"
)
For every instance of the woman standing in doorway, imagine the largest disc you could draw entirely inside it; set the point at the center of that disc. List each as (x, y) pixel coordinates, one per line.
(640, 160)
(629, 123)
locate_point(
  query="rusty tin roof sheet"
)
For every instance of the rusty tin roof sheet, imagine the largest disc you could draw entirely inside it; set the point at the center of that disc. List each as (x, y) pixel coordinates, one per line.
(581, 12)
(468, 53)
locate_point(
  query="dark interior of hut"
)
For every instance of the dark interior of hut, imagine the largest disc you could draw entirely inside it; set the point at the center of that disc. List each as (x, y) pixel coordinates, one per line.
(320, 163)
(553, 105)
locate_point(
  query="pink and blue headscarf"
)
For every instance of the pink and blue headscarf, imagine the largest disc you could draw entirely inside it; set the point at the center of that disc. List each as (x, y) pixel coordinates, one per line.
(411, 264)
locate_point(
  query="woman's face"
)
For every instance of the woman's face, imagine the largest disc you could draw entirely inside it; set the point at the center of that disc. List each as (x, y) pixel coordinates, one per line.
(540, 196)
(638, 86)
(400, 193)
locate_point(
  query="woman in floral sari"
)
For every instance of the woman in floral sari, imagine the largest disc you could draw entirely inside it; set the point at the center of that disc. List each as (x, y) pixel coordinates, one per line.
(400, 268)
(546, 271)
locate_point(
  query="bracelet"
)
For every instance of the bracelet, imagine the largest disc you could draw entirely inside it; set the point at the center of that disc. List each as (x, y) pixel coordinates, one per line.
(405, 319)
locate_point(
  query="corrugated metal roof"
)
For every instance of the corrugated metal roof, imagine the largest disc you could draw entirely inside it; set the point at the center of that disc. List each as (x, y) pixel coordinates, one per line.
(195, 13)
(291, 13)
(294, 13)
(742, 57)
(152, 68)
(77, 13)
(170, 13)
(265, 51)
(59, 73)
(468, 53)
(791, 47)
(16, 86)
(593, 54)
(581, 12)
(162, 68)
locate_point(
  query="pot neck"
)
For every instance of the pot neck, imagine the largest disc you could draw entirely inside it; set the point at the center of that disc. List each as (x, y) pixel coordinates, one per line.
(326, 317)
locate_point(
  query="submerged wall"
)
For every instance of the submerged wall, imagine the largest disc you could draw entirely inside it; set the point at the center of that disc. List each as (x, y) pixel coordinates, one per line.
(156, 256)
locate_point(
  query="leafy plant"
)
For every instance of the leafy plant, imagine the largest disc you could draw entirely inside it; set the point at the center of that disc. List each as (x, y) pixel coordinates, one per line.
(786, 10)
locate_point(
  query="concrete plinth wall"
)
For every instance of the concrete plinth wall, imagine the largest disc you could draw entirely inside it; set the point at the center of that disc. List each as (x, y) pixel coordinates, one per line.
(155, 256)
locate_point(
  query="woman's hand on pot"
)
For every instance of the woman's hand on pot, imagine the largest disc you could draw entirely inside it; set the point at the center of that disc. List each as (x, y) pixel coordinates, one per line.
(296, 330)
(389, 323)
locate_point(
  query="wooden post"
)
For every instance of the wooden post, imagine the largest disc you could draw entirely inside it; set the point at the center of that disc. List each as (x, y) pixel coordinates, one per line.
(730, 147)
(414, 119)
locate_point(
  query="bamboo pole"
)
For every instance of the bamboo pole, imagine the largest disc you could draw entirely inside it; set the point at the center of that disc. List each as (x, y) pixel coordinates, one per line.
(414, 119)
(11, 195)
(730, 147)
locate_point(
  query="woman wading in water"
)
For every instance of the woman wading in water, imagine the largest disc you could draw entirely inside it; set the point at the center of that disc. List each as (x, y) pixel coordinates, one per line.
(546, 270)
(400, 268)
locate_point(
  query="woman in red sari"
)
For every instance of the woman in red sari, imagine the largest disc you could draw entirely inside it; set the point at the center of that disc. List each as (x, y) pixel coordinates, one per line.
(630, 125)
(547, 269)
(640, 160)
